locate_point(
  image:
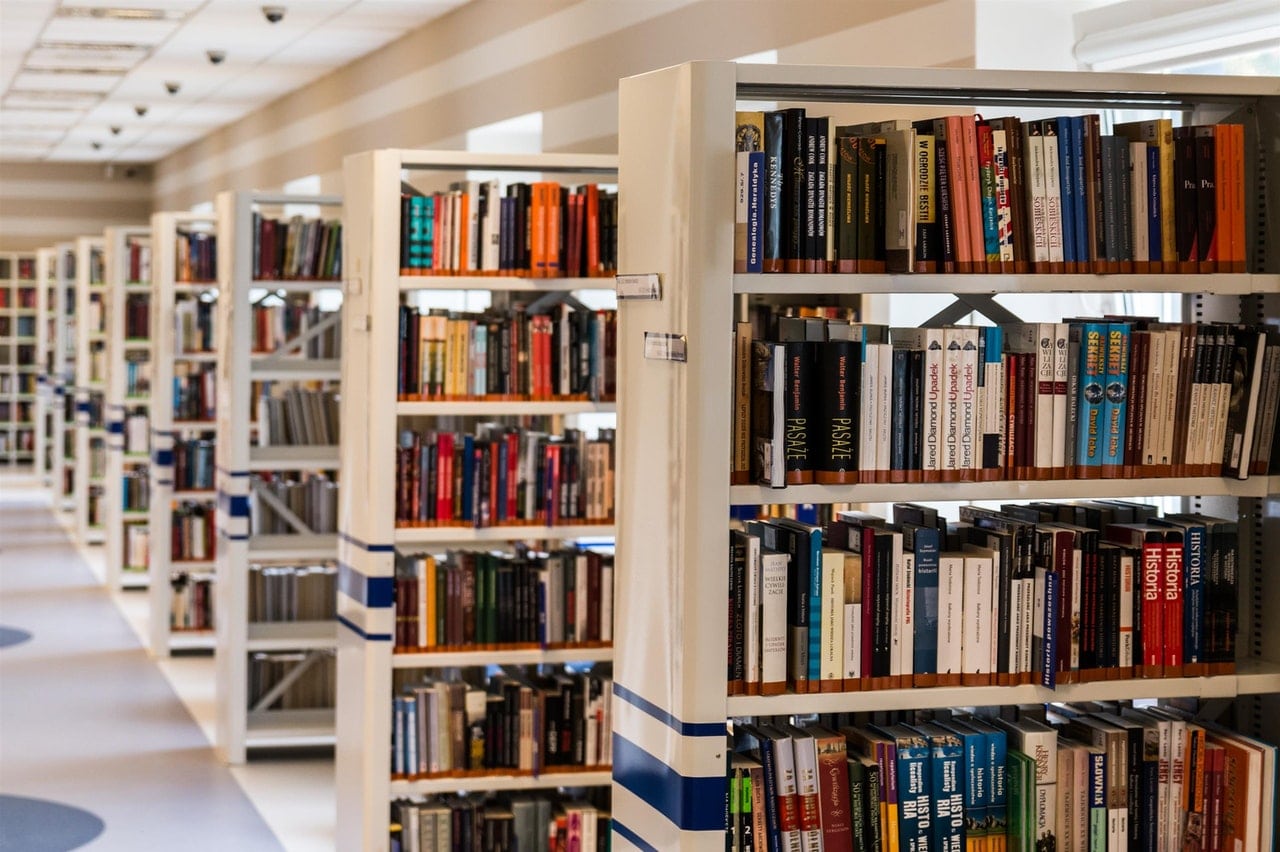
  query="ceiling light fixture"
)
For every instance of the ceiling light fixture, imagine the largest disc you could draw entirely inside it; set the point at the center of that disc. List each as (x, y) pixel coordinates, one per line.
(97, 146)
(83, 69)
(172, 86)
(141, 110)
(119, 13)
(115, 129)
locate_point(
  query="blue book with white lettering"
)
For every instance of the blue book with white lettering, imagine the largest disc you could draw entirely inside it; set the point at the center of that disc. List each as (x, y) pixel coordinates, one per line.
(755, 211)
(1067, 186)
(811, 545)
(1116, 398)
(947, 783)
(925, 544)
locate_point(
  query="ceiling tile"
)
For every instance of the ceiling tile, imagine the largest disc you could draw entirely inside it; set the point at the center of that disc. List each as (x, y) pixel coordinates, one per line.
(39, 81)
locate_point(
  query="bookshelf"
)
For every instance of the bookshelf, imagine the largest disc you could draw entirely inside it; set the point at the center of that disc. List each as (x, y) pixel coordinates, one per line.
(371, 420)
(91, 383)
(179, 289)
(249, 368)
(676, 153)
(18, 364)
(128, 405)
(62, 436)
(46, 334)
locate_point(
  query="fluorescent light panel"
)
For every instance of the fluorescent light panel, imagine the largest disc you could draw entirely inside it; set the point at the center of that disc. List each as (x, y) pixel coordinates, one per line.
(119, 13)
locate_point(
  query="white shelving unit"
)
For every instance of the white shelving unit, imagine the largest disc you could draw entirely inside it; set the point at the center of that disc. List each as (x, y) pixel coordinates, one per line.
(371, 417)
(676, 140)
(62, 437)
(46, 334)
(240, 463)
(166, 292)
(18, 362)
(91, 384)
(124, 288)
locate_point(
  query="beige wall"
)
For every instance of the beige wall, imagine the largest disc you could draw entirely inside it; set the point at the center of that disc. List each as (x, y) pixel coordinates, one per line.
(561, 57)
(44, 203)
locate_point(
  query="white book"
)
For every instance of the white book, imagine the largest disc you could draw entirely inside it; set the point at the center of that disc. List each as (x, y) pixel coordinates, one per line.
(742, 162)
(951, 606)
(853, 641)
(1028, 607)
(1152, 420)
(1061, 368)
(831, 666)
(970, 459)
(1066, 802)
(421, 567)
(868, 416)
(751, 628)
(1138, 201)
(1177, 779)
(773, 619)
(1033, 157)
(1173, 355)
(906, 634)
(951, 386)
(1052, 195)
(491, 236)
(580, 598)
(884, 408)
(1126, 609)
(978, 586)
(606, 603)
(806, 770)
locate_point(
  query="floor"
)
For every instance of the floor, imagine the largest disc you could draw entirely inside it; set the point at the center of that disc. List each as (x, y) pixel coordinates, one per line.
(102, 745)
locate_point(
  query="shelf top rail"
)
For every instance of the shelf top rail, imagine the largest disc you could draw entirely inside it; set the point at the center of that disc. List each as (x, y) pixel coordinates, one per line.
(460, 160)
(273, 199)
(998, 87)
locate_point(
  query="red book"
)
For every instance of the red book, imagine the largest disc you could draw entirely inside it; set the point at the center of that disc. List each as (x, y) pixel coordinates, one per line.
(513, 468)
(593, 230)
(1172, 587)
(957, 180)
(834, 813)
(1152, 543)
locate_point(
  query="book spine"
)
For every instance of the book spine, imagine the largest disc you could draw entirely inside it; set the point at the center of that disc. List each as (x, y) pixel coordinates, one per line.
(774, 174)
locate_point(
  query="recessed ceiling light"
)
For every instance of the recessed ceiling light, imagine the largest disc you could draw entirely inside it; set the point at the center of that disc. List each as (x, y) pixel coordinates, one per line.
(119, 13)
(115, 129)
(96, 145)
(172, 86)
(51, 99)
(91, 46)
(67, 69)
(141, 110)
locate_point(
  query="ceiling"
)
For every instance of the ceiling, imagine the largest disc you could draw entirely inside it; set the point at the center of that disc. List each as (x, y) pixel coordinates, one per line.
(76, 73)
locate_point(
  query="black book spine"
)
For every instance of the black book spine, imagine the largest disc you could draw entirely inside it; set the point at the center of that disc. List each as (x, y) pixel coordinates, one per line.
(836, 390)
(809, 245)
(946, 223)
(898, 417)
(882, 611)
(1110, 200)
(1206, 195)
(737, 613)
(915, 410)
(793, 189)
(821, 203)
(1186, 192)
(846, 223)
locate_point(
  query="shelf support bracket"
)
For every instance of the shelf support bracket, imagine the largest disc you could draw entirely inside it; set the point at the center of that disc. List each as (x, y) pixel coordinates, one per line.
(287, 681)
(541, 304)
(967, 303)
(265, 495)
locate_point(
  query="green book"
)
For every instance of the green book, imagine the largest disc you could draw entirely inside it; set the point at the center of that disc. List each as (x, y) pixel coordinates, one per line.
(1022, 800)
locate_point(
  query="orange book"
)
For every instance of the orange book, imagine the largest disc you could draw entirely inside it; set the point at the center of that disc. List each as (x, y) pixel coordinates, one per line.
(973, 194)
(464, 231)
(554, 228)
(957, 182)
(1239, 256)
(538, 231)
(593, 231)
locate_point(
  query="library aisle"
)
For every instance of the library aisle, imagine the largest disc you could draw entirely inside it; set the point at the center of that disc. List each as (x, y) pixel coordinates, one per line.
(110, 750)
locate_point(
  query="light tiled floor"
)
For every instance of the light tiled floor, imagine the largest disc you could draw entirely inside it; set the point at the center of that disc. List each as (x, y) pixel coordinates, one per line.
(294, 795)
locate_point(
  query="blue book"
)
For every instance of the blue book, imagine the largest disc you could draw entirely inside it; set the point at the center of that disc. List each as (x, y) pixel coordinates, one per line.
(1116, 396)
(1098, 827)
(1081, 225)
(468, 477)
(755, 211)
(924, 543)
(1090, 426)
(990, 350)
(761, 747)
(997, 776)
(977, 781)
(1195, 561)
(1154, 232)
(1067, 187)
(947, 763)
(915, 798)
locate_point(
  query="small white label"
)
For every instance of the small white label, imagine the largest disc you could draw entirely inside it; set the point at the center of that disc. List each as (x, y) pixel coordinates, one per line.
(659, 346)
(644, 286)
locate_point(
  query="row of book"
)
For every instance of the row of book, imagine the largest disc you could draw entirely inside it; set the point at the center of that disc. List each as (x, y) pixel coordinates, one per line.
(474, 600)
(836, 402)
(25, 270)
(1093, 778)
(296, 249)
(275, 325)
(95, 514)
(193, 464)
(504, 476)
(137, 316)
(967, 194)
(135, 490)
(22, 441)
(540, 229)
(194, 391)
(17, 326)
(508, 724)
(294, 416)
(570, 352)
(136, 555)
(22, 383)
(138, 264)
(542, 821)
(137, 375)
(1040, 593)
(191, 601)
(310, 497)
(193, 326)
(292, 592)
(197, 257)
(316, 687)
(192, 537)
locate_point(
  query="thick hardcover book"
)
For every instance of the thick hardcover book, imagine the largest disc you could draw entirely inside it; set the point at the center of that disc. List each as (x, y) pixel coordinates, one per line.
(835, 421)
(928, 238)
(834, 815)
(793, 189)
(799, 404)
(901, 198)
(947, 764)
(768, 413)
(924, 543)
